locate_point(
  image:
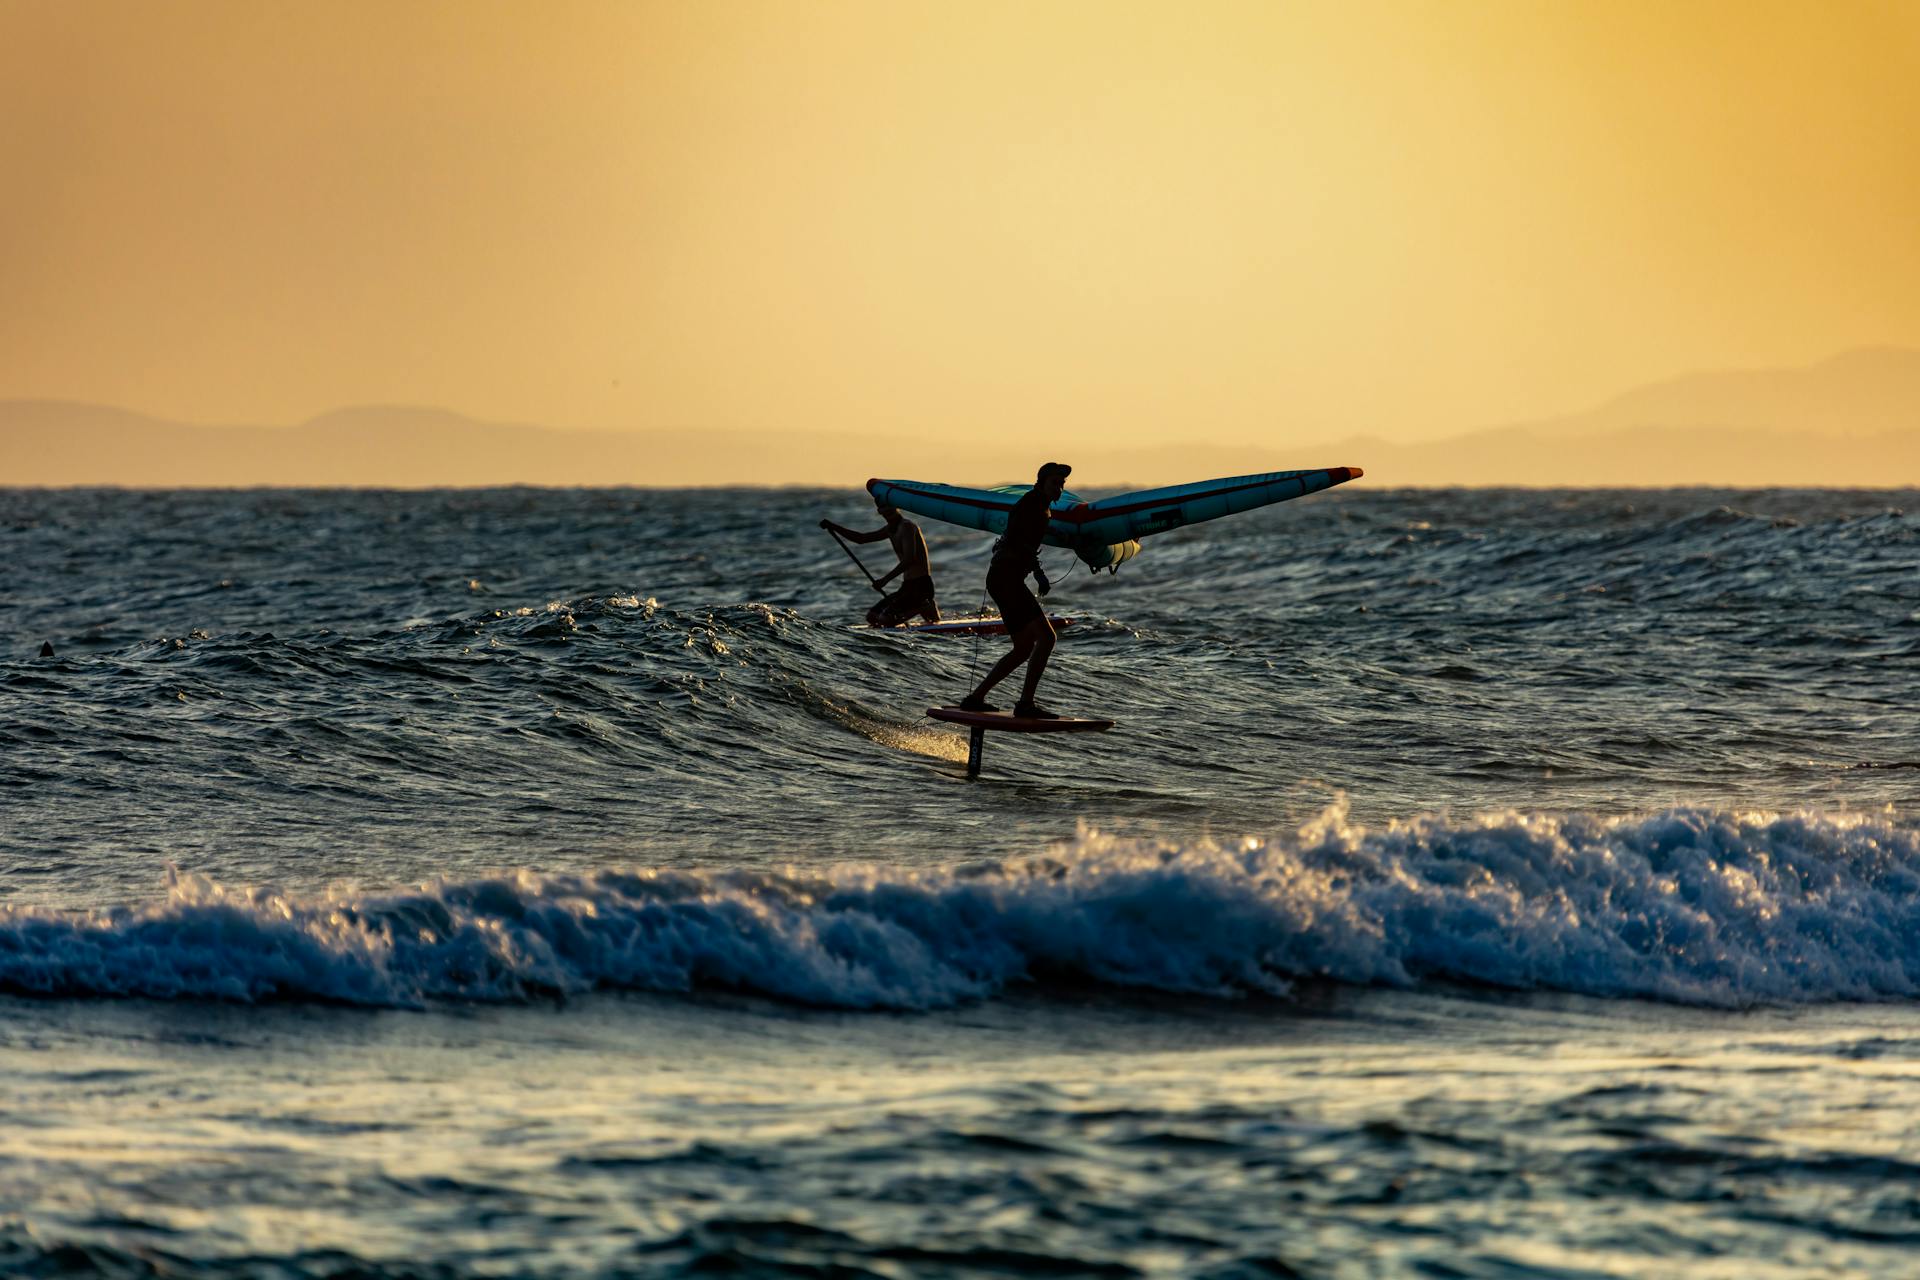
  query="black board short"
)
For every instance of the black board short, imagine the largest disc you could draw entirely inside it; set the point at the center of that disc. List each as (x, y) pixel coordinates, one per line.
(1018, 606)
(915, 596)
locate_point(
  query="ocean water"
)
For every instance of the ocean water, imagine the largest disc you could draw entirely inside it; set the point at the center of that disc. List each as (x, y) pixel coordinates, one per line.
(554, 883)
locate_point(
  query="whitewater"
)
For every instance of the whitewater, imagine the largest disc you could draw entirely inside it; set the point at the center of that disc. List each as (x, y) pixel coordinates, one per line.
(1689, 906)
(524, 882)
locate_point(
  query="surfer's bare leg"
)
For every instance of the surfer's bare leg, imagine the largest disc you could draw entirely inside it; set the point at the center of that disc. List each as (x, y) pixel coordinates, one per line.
(1039, 637)
(1021, 651)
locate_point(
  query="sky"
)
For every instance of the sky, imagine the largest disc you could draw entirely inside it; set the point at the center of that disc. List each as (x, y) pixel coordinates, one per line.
(1266, 222)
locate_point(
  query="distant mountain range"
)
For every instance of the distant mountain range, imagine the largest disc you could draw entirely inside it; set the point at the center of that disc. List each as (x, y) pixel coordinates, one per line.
(1851, 420)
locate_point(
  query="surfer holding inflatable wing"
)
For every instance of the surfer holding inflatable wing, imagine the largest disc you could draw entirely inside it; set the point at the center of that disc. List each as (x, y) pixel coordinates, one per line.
(915, 595)
(1016, 555)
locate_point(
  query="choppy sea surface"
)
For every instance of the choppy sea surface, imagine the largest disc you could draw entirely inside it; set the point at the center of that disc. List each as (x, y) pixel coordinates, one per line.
(553, 883)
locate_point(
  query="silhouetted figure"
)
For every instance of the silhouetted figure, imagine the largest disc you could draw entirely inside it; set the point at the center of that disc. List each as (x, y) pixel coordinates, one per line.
(1016, 555)
(915, 595)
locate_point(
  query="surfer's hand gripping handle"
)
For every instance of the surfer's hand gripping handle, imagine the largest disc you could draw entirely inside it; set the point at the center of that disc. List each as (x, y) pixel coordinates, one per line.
(835, 530)
(1040, 578)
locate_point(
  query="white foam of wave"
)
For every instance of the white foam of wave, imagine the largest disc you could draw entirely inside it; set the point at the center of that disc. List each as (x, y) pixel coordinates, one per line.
(1691, 905)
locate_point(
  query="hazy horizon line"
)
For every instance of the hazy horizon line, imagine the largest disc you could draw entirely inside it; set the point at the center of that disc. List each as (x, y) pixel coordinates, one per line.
(1852, 415)
(483, 419)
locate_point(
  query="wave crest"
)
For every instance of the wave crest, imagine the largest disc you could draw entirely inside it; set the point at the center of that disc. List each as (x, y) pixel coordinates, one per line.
(1692, 905)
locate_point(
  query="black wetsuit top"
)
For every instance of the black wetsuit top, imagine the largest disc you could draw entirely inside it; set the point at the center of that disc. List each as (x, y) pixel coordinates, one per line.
(1018, 551)
(1016, 555)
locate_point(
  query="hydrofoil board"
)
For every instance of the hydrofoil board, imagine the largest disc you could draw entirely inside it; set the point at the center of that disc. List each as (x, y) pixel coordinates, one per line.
(976, 626)
(1006, 720)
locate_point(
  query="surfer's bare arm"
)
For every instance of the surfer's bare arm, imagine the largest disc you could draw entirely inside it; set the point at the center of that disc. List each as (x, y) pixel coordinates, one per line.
(854, 535)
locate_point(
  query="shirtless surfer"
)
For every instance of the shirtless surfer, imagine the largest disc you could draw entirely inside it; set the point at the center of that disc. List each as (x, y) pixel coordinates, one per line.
(1016, 555)
(915, 595)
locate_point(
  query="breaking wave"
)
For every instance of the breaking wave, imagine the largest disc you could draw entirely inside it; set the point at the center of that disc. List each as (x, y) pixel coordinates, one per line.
(1691, 905)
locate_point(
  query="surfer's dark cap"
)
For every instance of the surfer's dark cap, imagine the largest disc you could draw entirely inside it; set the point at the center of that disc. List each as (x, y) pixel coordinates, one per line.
(1050, 469)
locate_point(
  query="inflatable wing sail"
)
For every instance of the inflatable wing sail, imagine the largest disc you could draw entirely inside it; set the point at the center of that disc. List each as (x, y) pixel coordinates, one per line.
(1107, 532)
(987, 509)
(1150, 511)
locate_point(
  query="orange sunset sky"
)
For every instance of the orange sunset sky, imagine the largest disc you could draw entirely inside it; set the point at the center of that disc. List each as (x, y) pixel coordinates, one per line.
(1262, 222)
